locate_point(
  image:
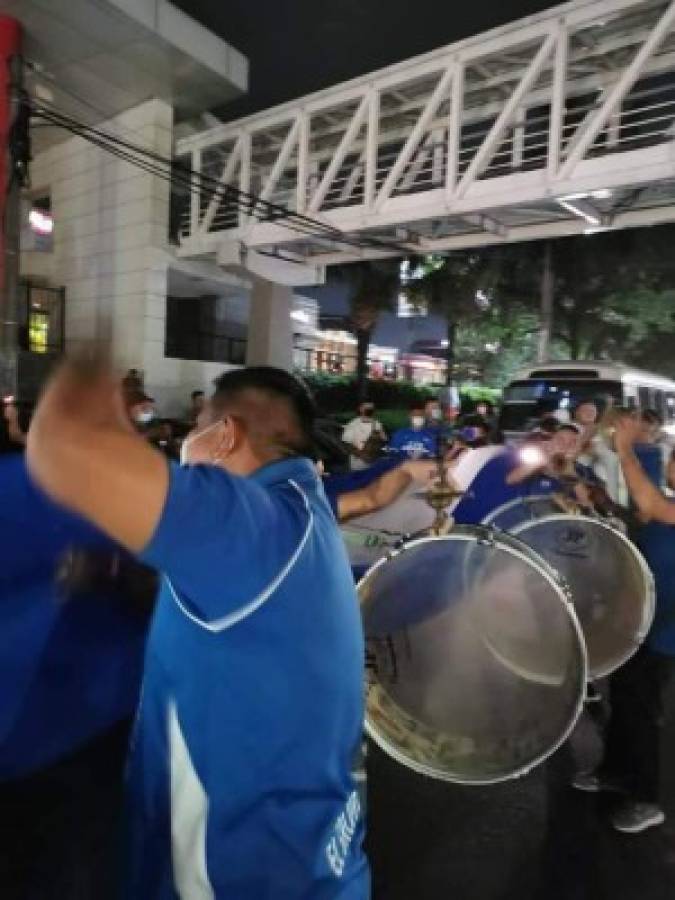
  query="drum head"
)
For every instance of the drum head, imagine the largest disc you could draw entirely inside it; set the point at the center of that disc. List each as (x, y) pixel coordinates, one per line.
(612, 587)
(476, 664)
(366, 545)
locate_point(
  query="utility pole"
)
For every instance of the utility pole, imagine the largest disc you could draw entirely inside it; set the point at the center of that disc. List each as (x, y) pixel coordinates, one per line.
(546, 307)
(11, 179)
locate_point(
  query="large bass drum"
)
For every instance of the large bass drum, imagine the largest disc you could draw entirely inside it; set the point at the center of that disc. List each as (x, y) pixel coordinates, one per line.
(612, 586)
(476, 664)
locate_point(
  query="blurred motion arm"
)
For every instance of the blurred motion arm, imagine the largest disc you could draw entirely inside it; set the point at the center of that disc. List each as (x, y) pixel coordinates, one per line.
(84, 453)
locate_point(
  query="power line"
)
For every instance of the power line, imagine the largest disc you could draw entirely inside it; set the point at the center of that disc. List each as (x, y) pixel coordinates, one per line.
(183, 175)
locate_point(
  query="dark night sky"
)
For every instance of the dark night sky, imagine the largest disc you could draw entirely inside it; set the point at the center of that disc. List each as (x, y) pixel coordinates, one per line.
(296, 47)
(299, 46)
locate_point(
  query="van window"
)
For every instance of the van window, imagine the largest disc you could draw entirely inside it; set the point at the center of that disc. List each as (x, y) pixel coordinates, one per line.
(526, 402)
(644, 400)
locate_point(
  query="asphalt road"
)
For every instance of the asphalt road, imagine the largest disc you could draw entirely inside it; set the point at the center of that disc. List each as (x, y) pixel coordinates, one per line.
(531, 839)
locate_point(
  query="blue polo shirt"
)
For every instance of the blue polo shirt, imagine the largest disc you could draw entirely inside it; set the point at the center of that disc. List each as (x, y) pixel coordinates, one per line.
(240, 770)
(69, 668)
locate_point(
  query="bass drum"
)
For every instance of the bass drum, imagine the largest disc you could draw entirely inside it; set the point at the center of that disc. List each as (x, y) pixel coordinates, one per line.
(476, 666)
(612, 586)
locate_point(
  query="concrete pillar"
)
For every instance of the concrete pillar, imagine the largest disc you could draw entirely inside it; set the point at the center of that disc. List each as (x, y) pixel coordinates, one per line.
(270, 333)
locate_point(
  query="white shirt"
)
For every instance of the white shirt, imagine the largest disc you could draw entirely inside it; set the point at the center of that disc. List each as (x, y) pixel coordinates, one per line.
(357, 432)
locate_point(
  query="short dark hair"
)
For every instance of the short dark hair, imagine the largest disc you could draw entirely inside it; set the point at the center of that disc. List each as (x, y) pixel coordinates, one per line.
(196, 394)
(290, 433)
(651, 417)
(549, 425)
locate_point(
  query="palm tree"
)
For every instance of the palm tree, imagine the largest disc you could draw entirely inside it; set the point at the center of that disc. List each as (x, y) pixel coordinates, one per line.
(373, 288)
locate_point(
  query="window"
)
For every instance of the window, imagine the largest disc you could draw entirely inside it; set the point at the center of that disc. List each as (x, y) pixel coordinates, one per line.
(194, 330)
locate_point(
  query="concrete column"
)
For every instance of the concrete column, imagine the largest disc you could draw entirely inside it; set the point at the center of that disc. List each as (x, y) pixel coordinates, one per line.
(270, 333)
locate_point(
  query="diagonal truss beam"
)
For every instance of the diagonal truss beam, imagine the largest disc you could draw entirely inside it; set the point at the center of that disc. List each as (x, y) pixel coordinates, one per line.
(348, 139)
(225, 179)
(622, 87)
(489, 145)
(282, 160)
(415, 137)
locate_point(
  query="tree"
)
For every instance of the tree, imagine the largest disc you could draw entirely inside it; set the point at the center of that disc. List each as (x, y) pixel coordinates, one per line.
(373, 288)
(610, 295)
(456, 287)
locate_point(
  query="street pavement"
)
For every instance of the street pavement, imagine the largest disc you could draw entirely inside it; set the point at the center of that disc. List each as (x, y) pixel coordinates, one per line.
(530, 839)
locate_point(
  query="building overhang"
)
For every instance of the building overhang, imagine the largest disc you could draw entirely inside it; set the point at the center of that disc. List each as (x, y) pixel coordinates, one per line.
(92, 60)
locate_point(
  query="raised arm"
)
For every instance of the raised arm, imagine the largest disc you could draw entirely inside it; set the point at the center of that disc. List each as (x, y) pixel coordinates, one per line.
(651, 503)
(84, 454)
(384, 490)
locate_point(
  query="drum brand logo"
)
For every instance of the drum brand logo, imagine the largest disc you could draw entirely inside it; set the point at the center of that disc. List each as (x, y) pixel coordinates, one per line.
(572, 541)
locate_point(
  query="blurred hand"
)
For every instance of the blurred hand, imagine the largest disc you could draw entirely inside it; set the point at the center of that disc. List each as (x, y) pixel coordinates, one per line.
(627, 431)
(11, 414)
(422, 471)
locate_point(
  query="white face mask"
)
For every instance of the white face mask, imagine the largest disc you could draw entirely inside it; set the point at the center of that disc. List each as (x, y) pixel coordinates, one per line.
(145, 417)
(417, 422)
(184, 449)
(436, 414)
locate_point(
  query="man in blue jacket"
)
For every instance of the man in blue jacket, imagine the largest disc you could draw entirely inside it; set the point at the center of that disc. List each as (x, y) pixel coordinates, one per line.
(70, 674)
(252, 708)
(632, 761)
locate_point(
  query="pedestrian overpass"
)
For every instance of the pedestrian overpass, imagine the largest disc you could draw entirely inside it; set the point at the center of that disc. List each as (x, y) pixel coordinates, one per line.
(558, 124)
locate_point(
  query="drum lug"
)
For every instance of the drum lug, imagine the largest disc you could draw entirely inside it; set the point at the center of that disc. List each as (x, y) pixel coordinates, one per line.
(487, 537)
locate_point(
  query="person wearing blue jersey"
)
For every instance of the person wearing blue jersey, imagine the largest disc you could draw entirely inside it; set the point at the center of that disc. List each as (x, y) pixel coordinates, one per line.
(252, 707)
(417, 441)
(632, 760)
(71, 659)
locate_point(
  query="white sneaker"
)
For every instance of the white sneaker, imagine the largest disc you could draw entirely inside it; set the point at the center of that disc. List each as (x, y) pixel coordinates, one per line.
(635, 817)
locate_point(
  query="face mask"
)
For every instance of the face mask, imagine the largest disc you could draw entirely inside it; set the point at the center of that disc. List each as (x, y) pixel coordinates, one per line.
(184, 449)
(417, 422)
(145, 417)
(436, 414)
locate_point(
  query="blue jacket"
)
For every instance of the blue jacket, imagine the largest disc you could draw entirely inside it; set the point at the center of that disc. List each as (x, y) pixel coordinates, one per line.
(69, 668)
(657, 544)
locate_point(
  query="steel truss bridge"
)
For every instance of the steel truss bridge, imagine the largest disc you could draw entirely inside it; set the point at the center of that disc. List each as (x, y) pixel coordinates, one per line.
(558, 124)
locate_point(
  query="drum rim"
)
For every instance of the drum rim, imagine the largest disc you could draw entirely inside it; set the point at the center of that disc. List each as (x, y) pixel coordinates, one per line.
(520, 549)
(490, 518)
(650, 586)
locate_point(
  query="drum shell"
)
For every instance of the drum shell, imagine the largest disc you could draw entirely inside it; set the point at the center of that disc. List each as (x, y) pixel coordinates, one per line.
(480, 666)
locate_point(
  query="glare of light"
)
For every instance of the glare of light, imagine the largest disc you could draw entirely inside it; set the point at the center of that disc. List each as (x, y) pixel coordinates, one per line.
(596, 230)
(301, 316)
(444, 343)
(492, 348)
(603, 194)
(532, 456)
(40, 222)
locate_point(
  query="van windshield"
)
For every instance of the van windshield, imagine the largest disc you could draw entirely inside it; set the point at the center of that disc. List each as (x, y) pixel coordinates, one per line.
(526, 402)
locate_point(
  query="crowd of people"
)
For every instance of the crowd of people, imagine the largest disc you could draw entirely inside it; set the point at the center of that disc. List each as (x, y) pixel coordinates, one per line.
(580, 456)
(240, 771)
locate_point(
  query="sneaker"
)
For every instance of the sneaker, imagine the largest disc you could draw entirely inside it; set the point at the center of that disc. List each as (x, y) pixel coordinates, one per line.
(632, 818)
(593, 783)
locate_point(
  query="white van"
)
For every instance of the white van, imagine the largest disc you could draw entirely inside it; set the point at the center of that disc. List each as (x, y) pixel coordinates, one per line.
(541, 389)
